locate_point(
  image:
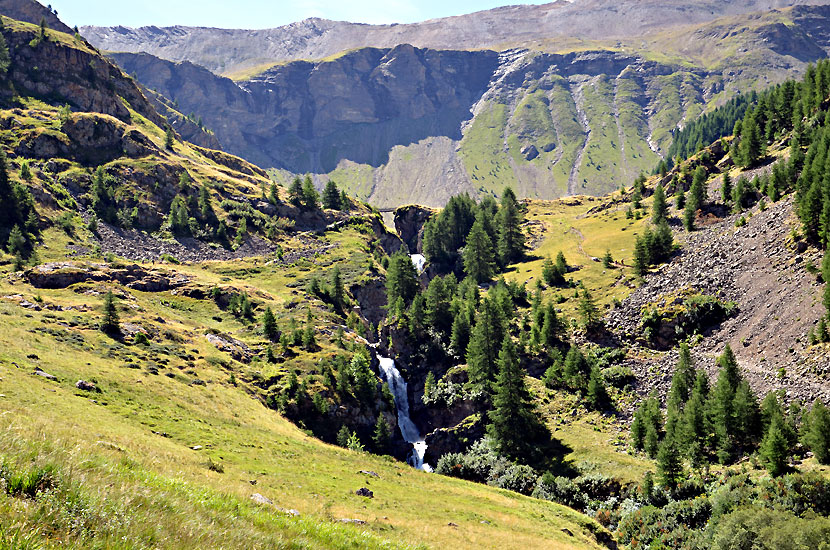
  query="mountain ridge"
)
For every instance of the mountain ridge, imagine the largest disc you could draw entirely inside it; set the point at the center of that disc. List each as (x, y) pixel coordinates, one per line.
(314, 38)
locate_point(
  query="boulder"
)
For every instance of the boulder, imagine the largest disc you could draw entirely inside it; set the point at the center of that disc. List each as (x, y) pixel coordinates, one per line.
(530, 152)
(364, 492)
(86, 386)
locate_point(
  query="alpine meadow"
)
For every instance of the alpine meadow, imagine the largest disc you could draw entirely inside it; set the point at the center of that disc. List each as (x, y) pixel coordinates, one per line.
(538, 276)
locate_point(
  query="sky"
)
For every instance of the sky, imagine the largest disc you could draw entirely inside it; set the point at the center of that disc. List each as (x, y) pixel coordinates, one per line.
(258, 14)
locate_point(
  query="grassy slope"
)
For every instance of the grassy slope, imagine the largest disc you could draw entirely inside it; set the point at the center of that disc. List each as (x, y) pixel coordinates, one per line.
(122, 469)
(105, 443)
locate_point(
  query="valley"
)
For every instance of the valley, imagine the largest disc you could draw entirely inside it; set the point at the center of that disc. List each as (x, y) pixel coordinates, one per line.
(418, 286)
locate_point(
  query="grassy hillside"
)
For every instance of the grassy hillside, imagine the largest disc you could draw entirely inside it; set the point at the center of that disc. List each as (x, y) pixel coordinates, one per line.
(176, 441)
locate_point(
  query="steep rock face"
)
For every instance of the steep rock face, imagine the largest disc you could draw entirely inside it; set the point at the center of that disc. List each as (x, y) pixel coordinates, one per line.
(409, 223)
(306, 117)
(52, 70)
(408, 125)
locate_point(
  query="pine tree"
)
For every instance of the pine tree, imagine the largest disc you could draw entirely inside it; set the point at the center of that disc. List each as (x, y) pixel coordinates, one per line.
(478, 254)
(659, 209)
(683, 378)
(295, 193)
(309, 340)
(273, 194)
(551, 327)
(752, 145)
(509, 221)
(597, 395)
(483, 350)
(331, 196)
(401, 279)
(588, 310)
(311, 198)
(818, 432)
(269, 325)
(669, 463)
(726, 189)
(110, 322)
(747, 415)
(343, 436)
(338, 290)
(576, 369)
(513, 423)
(168, 139)
(382, 436)
(774, 448)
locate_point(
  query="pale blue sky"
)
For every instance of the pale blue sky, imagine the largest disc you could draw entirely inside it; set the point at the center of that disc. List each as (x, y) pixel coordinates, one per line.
(260, 13)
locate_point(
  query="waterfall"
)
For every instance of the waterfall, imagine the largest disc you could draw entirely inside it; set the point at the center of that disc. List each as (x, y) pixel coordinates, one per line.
(408, 429)
(418, 260)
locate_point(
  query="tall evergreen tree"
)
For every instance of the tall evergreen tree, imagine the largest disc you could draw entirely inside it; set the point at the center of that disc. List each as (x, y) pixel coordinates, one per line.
(513, 422)
(483, 349)
(295, 192)
(269, 325)
(509, 222)
(818, 432)
(311, 198)
(774, 448)
(588, 310)
(597, 395)
(401, 279)
(669, 463)
(382, 436)
(659, 209)
(331, 196)
(726, 188)
(479, 259)
(110, 323)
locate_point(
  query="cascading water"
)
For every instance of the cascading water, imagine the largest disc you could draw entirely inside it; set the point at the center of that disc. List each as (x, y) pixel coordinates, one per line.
(418, 260)
(408, 429)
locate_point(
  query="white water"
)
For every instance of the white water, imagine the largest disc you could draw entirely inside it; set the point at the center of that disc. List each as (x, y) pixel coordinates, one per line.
(418, 260)
(408, 429)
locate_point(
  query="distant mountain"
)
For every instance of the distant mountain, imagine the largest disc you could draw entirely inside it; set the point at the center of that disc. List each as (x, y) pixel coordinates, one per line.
(234, 51)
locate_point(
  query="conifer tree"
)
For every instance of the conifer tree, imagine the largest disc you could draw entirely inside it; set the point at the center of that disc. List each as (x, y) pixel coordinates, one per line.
(295, 193)
(588, 310)
(818, 432)
(269, 325)
(483, 349)
(509, 222)
(683, 378)
(311, 198)
(669, 463)
(401, 279)
(110, 323)
(747, 415)
(513, 423)
(726, 188)
(382, 435)
(774, 448)
(338, 290)
(659, 210)
(168, 139)
(551, 327)
(597, 394)
(641, 259)
(478, 254)
(331, 196)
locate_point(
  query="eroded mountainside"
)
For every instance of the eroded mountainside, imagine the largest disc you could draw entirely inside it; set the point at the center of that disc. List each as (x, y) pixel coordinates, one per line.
(228, 51)
(406, 124)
